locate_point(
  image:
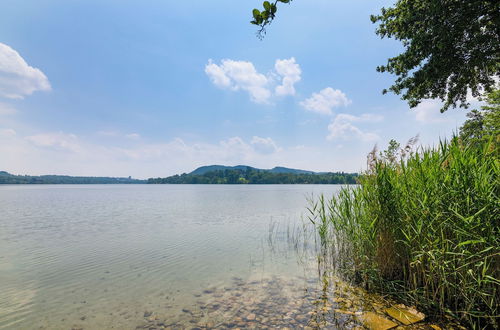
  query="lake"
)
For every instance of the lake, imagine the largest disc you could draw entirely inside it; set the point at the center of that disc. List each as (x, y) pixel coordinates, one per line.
(127, 256)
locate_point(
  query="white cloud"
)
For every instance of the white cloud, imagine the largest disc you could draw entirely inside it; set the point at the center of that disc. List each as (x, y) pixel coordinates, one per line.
(63, 153)
(342, 127)
(366, 117)
(58, 152)
(239, 75)
(17, 78)
(218, 75)
(232, 149)
(428, 112)
(60, 141)
(264, 145)
(242, 75)
(290, 71)
(324, 101)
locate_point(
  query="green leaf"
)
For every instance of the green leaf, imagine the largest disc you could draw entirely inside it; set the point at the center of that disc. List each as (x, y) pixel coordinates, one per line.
(256, 14)
(267, 5)
(472, 241)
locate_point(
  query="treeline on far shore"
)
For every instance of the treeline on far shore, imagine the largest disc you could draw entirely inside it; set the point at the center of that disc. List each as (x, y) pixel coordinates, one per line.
(250, 176)
(237, 176)
(7, 178)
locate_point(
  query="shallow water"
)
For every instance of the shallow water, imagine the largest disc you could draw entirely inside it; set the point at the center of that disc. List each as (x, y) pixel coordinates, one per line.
(169, 256)
(103, 256)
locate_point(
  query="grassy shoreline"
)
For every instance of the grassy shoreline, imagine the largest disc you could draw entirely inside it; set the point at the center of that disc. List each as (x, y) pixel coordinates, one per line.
(424, 228)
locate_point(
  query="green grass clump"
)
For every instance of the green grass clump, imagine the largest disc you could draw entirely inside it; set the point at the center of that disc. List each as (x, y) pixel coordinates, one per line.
(424, 227)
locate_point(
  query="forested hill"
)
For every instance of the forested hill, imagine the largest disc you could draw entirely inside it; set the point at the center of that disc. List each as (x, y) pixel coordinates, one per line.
(7, 178)
(278, 169)
(255, 176)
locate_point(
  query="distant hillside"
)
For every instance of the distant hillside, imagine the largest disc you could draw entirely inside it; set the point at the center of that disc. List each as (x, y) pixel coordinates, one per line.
(280, 169)
(210, 168)
(7, 178)
(219, 174)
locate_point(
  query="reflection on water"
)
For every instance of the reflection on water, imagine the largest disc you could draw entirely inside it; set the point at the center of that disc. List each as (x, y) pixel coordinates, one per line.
(166, 256)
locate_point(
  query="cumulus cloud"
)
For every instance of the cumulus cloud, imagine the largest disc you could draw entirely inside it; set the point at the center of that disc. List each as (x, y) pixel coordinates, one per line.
(240, 75)
(232, 150)
(264, 145)
(324, 101)
(17, 78)
(342, 127)
(290, 72)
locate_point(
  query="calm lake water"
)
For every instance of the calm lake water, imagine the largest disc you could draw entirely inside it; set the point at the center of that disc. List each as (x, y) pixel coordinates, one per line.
(153, 256)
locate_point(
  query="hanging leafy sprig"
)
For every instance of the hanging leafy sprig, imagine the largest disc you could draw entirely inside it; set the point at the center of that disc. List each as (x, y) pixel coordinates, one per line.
(263, 18)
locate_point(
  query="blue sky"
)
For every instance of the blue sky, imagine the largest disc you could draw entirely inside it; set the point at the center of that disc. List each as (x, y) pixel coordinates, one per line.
(154, 88)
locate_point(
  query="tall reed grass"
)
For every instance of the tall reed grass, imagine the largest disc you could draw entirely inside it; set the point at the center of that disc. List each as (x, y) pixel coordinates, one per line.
(423, 227)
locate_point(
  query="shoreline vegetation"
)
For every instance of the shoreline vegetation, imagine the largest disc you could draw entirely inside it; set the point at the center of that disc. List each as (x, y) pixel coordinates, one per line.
(203, 175)
(255, 176)
(423, 226)
(7, 178)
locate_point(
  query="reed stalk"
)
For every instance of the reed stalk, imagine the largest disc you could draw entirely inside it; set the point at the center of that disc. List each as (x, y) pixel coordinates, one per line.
(424, 228)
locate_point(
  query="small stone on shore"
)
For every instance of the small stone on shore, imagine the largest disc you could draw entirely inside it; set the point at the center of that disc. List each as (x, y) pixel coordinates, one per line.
(405, 315)
(376, 322)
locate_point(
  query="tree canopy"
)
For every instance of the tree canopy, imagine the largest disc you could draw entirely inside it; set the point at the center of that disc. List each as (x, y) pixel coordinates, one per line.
(452, 47)
(7, 178)
(252, 176)
(483, 124)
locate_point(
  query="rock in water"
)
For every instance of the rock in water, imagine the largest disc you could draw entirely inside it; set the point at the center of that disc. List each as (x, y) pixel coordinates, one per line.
(405, 315)
(376, 322)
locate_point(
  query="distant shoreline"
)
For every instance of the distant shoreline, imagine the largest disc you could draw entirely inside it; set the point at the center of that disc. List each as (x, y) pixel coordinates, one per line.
(204, 175)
